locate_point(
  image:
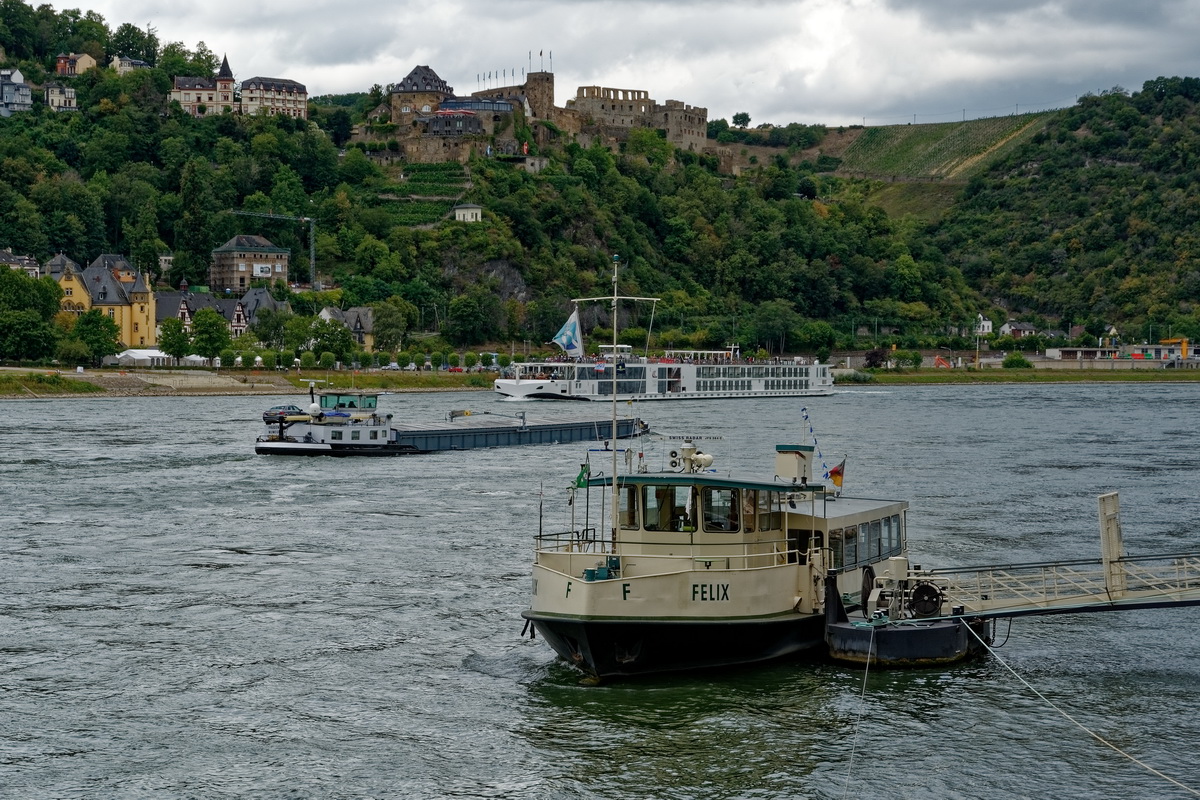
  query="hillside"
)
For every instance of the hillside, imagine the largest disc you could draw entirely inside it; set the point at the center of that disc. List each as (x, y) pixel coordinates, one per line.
(1094, 219)
(949, 151)
(849, 237)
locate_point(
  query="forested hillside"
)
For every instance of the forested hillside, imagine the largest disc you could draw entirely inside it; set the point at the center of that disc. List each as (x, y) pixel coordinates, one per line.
(1096, 218)
(1091, 220)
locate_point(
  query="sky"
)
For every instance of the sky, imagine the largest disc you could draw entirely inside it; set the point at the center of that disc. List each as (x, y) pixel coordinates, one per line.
(832, 62)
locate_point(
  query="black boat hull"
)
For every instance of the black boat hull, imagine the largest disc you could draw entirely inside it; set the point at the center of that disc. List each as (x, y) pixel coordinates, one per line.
(616, 648)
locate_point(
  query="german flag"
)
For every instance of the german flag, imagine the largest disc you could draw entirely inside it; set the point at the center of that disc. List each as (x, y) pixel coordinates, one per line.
(837, 474)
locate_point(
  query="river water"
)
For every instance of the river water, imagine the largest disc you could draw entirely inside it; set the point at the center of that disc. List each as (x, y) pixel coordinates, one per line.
(182, 618)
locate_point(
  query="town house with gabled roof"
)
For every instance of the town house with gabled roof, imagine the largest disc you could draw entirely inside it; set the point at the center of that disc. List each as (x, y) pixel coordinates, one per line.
(271, 96)
(246, 258)
(69, 64)
(359, 319)
(205, 96)
(184, 304)
(113, 286)
(27, 264)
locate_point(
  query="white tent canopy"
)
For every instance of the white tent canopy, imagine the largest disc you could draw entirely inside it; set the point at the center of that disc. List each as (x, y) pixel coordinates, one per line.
(144, 358)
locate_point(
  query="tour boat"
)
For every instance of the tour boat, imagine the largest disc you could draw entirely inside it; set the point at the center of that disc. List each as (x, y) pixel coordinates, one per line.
(676, 375)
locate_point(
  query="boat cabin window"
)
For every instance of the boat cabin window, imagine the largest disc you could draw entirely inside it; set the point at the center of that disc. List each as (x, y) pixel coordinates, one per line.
(866, 543)
(835, 548)
(850, 546)
(665, 508)
(749, 505)
(330, 402)
(769, 517)
(721, 509)
(627, 506)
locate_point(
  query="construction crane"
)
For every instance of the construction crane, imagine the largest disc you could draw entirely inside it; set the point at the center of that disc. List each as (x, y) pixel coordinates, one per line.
(312, 235)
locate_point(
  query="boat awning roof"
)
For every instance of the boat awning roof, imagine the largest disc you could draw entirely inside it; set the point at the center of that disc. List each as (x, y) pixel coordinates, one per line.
(703, 479)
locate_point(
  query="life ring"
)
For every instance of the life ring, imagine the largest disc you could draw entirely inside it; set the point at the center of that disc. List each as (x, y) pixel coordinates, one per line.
(868, 585)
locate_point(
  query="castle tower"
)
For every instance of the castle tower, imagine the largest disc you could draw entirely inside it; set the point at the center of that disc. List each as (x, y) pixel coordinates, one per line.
(539, 90)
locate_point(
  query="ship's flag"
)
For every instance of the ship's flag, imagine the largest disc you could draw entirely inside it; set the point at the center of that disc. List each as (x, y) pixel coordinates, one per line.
(569, 337)
(582, 478)
(837, 474)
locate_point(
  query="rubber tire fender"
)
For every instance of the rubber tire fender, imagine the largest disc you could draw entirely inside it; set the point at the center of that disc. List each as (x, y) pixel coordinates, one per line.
(868, 584)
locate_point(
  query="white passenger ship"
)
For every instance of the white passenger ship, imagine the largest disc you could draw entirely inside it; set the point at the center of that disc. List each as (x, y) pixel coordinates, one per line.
(677, 375)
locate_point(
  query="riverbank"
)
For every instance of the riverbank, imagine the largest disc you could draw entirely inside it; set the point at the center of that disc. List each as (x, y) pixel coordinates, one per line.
(929, 376)
(40, 384)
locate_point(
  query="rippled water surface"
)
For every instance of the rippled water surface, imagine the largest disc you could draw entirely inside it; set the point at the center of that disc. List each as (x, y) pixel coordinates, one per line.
(182, 618)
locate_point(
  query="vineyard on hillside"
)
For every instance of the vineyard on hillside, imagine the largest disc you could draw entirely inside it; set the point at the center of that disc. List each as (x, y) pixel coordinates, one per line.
(427, 193)
(942, 151)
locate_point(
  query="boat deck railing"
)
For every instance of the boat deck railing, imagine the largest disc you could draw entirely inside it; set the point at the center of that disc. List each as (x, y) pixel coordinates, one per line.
(1069, 586)
(573, 552)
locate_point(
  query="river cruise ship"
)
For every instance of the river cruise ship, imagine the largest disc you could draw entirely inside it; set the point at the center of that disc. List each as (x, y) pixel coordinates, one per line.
(676, 375)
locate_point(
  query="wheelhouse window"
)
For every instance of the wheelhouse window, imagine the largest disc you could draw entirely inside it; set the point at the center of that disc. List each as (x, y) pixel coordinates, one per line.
(665, 508)
(835, 548)
(721, 509)
(627, 506)
(769, 516)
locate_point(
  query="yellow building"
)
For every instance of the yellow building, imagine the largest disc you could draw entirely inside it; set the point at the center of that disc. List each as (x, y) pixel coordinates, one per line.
(112, 285)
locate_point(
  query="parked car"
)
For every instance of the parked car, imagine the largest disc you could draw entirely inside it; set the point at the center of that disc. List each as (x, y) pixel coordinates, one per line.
(455, 369)
(391, 366)
(275, 413)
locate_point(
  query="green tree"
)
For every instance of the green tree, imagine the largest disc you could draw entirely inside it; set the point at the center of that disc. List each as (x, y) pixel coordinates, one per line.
(333, 337)
(340, 126)
(773, 323)
(26, 335)
(72, 351)
(394, 318)
(133, 42)
(193, 232)
(210, 333)
(142, 236)
(174, 340)
(741, 119)
(269, 326)
(1016, 361)
(356, 168)
(99, 334)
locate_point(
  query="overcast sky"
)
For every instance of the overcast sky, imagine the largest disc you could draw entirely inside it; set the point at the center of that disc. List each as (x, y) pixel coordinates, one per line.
(811, 61)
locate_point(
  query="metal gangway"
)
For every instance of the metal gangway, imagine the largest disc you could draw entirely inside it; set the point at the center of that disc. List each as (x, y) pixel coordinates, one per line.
(1114, 582)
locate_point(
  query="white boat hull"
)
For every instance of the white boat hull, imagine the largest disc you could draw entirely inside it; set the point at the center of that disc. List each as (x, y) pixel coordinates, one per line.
(648, 379)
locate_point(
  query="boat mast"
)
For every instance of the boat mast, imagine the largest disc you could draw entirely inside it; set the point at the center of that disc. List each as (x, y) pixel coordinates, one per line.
(613, 298)
(613, 520)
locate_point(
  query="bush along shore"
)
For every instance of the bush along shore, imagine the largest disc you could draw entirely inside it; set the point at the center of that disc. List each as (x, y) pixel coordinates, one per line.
(17, 383)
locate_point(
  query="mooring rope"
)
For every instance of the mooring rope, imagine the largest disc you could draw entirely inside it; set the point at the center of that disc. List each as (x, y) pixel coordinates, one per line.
(1080, 725)
(862, 702)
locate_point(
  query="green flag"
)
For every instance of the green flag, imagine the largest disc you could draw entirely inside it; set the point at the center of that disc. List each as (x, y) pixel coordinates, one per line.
(582, 477)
